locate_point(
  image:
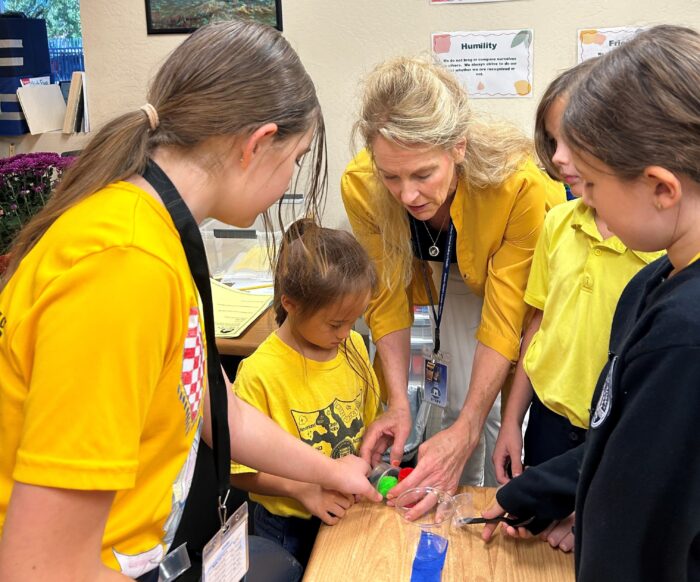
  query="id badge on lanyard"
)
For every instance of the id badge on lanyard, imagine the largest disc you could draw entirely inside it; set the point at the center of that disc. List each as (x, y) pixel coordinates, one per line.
(435, 377)
(436, 362)
(225, 557)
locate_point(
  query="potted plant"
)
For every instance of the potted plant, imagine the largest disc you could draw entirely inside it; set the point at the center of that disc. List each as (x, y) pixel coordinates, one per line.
(26, 182)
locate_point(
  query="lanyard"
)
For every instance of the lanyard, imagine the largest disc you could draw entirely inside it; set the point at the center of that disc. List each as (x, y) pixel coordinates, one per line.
(197, 260)
(437, 314)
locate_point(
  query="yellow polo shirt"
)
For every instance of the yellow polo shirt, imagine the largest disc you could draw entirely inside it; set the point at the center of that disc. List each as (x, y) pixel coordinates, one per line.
(576, 280)
(497, 229)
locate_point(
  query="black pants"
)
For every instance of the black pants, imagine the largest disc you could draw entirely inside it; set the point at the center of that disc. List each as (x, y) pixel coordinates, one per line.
(295, 535)
(549, 434)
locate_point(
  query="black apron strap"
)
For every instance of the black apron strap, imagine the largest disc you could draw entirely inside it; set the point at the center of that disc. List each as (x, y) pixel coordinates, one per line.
(197, 260)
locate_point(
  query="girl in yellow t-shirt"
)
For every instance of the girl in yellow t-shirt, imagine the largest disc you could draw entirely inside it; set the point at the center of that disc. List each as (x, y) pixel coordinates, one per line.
(104, 358)
(312, 377)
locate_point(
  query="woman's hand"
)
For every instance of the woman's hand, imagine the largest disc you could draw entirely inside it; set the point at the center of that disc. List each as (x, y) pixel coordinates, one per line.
(349, 475)
(390, 429)
(441, 461)
(329, 506)
(508, 451)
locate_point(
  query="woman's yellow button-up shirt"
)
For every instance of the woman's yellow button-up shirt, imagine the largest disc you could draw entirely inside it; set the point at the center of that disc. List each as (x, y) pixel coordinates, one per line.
(497, 230)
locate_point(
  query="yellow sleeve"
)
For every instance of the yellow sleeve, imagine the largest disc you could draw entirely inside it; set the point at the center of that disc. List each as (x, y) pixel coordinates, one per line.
(538, 282)
(102, 333)
(390, 309)
(249, 388)
(508, 268)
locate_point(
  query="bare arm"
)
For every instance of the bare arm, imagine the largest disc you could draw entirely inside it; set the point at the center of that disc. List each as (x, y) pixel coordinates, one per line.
(55, 535)
(279, 453)
(394, 425)
(441, 458)
(510, 444)
(325, 504)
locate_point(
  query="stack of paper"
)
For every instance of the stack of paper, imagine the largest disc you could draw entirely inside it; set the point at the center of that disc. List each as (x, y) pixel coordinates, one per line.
(43, 107)
(235, 311)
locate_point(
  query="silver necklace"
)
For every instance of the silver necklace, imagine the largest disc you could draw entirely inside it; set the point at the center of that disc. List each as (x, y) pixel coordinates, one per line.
(433, 249)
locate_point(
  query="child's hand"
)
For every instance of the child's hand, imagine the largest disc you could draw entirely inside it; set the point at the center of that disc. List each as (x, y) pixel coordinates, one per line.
(494, 511)
(560, 534)
(350, 476)
(506, 453)
(329, 506)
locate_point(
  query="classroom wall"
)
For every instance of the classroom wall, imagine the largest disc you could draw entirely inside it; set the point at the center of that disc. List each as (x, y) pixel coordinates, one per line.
(341, 40)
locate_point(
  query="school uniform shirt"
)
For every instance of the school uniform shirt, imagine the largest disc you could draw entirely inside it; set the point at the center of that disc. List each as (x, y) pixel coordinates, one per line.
(638, 497)
(325, 404)
(576, 280)
(102, 368)
(497, 229)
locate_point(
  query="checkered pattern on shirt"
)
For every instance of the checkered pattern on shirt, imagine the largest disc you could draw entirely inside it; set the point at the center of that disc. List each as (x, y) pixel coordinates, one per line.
(193, 363)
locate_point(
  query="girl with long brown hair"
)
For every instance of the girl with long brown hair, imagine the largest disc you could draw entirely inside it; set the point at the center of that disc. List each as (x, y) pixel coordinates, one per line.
(103, 355)
(633, 128)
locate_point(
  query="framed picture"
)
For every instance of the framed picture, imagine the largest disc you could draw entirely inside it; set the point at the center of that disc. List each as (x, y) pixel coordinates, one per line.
(184, 16)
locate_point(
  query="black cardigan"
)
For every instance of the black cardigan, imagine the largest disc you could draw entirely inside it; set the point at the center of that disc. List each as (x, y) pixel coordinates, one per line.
(635, 483)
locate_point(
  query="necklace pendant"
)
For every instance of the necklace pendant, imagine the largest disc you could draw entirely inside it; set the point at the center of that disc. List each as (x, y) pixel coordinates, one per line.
(433, 251)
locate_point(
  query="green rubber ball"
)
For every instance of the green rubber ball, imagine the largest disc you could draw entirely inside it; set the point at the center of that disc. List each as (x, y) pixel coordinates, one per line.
(386, 483)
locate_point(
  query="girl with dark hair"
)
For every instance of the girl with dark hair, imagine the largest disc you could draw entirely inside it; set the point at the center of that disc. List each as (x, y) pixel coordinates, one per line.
(312, 377)
(633, 128)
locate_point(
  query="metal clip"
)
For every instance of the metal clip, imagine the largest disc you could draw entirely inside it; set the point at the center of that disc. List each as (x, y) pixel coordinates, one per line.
(223, 511)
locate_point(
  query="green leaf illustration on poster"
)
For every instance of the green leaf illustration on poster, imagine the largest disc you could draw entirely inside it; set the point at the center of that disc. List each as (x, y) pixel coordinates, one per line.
(523, 37)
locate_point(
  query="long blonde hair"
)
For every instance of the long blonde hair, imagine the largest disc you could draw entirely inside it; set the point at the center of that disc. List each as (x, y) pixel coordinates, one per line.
(226, 79)
(415, 102)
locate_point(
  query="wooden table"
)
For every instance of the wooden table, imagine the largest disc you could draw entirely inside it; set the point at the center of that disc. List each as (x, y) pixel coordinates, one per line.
(248, 342)
(370, 544)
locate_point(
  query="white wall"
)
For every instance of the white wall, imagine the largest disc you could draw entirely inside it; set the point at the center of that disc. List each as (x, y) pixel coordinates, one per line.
(341, 40)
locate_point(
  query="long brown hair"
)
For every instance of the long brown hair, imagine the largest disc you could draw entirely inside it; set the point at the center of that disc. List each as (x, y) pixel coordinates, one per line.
(316, 267)
(226, 79)
(561, 88)
(640, 106)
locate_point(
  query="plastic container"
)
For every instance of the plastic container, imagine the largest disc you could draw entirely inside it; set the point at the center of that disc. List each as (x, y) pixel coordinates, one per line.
(240, 256)
(427, 514)
(464, 507)
(380, 472)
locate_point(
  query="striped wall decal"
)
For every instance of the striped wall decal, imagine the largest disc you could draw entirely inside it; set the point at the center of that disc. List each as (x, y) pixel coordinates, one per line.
(12, 62)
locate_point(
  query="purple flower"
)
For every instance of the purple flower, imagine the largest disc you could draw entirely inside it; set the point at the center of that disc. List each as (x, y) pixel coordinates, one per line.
(28, 178)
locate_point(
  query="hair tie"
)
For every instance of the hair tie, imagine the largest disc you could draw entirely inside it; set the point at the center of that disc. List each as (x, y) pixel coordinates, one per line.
(152, 115)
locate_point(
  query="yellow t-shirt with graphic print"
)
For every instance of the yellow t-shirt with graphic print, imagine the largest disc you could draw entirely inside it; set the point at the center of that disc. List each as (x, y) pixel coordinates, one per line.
(576, 280)
(325, 404)
(102, 368)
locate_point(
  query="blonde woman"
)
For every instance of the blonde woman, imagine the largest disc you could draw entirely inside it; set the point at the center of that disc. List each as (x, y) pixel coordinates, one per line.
(431, 174)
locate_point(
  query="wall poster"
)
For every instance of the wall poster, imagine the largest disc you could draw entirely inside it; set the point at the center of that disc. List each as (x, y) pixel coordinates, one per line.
(490, 64)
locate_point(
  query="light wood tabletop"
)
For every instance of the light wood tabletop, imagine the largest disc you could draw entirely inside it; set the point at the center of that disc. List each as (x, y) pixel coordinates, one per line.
(372, 543)
(248, 342)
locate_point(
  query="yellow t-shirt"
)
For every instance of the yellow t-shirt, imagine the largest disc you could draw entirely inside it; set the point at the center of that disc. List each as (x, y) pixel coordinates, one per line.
(576, 280)
(325, 404)
(102, 368)
(497, 229)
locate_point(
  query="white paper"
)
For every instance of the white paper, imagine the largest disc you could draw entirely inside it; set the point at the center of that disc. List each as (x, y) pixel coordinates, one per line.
(489, 64)
(225, 557)
(593, 42)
